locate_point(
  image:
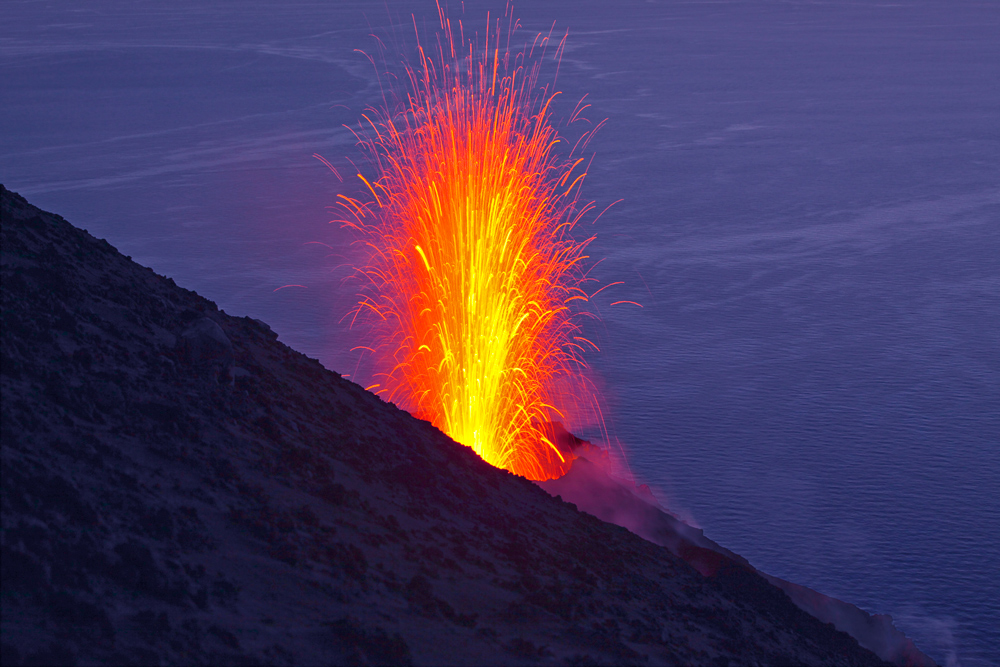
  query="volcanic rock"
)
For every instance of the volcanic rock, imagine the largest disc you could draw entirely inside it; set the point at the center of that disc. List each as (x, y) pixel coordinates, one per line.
(154, 511)
(205, 344)
(594, 489)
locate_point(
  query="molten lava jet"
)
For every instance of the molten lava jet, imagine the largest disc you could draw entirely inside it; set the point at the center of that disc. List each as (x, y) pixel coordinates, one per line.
(473, 277)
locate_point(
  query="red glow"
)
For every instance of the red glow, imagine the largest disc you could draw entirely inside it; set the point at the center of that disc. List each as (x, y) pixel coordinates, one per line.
(472, 271)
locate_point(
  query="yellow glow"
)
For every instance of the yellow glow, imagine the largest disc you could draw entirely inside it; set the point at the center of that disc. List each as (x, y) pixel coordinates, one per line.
(471, 260)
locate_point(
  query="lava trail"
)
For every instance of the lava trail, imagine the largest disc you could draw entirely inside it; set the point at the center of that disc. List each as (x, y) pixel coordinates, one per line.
(474, 282)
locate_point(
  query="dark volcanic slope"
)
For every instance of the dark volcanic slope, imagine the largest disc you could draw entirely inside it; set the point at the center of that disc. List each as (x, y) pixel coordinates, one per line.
(180, 487)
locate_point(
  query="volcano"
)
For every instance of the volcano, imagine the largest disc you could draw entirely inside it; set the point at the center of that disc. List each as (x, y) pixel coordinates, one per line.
(179, 487)
(472, 275)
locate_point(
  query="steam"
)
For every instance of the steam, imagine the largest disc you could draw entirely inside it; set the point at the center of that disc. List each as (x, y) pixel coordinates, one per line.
(592, 487)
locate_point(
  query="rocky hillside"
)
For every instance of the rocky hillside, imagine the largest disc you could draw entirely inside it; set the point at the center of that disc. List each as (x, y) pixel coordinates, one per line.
(180, 487)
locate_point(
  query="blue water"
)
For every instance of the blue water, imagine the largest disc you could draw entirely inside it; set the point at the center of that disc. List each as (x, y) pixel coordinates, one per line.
(810, 219)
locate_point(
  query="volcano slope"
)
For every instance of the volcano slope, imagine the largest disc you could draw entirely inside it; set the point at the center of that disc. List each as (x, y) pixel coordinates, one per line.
(180, 487)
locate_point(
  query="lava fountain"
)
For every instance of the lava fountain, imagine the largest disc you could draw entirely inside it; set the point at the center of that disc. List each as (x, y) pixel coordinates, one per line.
(473, 280)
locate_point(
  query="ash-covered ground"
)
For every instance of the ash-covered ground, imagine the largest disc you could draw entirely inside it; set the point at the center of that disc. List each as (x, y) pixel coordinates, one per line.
(179, 487)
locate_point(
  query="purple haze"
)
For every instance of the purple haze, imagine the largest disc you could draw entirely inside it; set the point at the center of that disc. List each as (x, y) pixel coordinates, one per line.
(811, 219)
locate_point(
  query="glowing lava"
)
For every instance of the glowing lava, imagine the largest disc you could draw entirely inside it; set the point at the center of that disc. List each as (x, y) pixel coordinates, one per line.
(472, 271)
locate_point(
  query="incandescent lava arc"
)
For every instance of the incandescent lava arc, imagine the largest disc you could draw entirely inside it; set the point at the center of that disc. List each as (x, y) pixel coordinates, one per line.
(473, 280)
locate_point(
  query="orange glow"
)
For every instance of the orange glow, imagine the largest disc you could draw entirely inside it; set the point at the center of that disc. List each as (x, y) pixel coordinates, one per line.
(472, 271)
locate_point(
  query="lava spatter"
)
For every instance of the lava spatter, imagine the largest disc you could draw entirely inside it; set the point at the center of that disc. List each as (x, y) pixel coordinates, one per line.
(473, 278)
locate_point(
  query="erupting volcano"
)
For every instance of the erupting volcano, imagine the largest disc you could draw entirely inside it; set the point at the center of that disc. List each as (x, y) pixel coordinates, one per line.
(473, 277)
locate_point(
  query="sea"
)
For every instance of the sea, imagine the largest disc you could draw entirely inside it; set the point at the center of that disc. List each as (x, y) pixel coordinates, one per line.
(802, 197)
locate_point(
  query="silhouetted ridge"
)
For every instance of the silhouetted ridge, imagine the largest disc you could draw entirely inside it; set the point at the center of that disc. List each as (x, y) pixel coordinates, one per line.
(180, 487)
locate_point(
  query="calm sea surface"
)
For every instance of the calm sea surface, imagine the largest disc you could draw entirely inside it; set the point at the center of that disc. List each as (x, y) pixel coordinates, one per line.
(810, 219)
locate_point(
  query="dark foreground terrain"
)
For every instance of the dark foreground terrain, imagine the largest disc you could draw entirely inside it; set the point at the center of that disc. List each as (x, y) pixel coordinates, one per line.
(180, 487)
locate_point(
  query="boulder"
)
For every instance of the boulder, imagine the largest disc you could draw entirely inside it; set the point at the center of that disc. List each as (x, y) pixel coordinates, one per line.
(204, 344)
